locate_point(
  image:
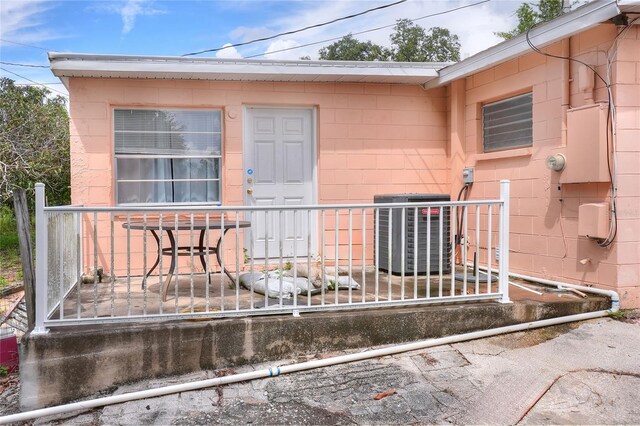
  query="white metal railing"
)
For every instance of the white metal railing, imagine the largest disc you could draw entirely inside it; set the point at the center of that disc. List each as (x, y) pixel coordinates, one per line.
(64, 257)
(110, 263)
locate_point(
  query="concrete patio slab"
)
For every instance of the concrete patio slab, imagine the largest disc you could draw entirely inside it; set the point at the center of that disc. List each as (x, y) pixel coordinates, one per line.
(76, 361)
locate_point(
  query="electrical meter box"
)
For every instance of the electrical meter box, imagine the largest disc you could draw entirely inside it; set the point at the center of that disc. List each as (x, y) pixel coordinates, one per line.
(586, 145)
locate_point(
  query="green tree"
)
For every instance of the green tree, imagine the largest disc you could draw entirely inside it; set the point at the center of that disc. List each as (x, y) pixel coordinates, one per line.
(549, 9)
(411, 43)
(349, 48)
(34, 141)
(530, 14)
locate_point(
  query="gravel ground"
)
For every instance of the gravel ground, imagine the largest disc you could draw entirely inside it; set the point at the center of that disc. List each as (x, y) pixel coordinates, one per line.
(10, 394)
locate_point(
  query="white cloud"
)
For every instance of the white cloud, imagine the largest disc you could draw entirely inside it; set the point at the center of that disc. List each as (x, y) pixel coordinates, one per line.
(21, 21)
(476, 27)
(24, 22)
(250, 33)
(228, 53)
(278, 45)
(129, 10)
(132, 9)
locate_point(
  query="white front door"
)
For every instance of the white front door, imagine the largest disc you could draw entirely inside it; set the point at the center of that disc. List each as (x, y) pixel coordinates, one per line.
(278, 165)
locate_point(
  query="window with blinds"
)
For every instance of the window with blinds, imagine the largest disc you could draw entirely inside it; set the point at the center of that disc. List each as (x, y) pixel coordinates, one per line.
(508, 123)
(168, 156)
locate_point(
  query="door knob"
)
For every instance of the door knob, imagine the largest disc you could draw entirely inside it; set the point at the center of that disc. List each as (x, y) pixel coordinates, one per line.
(250, 191)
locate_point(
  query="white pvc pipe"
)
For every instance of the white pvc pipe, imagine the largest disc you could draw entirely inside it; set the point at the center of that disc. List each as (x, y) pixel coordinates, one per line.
(278, 370)
(539, 293)
(503, 241)
(613, 295)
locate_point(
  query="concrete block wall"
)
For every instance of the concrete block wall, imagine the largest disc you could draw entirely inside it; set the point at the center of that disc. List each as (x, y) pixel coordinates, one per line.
(626, 89)
(544, 237)
(372, 139)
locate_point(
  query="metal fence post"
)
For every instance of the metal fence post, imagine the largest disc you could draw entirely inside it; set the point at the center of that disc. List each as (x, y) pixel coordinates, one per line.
(503, 267)
(41, 261)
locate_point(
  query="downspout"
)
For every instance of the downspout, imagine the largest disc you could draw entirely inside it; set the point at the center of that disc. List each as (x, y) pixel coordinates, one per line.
(565, 74)
(292, 368)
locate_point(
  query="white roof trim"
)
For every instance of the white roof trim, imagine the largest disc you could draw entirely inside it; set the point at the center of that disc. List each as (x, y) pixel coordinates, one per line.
(564, 26)
(188, 68)
(629, 6)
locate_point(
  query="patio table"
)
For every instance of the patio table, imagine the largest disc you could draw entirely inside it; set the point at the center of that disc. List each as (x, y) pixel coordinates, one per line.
(174, 250)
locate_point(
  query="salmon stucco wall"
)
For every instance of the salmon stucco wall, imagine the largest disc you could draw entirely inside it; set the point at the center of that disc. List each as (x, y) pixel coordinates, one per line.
(372, 139)
(544, 237)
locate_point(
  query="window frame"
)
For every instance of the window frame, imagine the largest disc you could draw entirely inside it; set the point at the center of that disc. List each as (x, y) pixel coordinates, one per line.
(218, 157)
(483, 146)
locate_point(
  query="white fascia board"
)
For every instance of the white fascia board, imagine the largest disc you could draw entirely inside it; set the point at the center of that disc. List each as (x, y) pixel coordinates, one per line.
(65, 82)
(79, 65)
(564, 26)
(630, 6)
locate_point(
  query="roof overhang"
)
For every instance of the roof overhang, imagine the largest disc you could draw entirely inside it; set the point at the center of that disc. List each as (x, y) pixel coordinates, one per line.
(630, 7)
(566, 25)
(65, 65)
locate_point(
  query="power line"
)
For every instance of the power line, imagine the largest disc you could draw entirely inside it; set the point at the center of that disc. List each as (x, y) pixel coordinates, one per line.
(35, 82)
(366, 31)
(298, 30)
(23, 65)
(26, 45)
(611, 122)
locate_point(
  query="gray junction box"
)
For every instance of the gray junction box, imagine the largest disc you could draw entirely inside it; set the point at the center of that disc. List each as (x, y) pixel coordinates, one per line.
(381, 242)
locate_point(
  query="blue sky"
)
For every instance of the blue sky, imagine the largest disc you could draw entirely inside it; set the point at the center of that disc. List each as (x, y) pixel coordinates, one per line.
(148, 27)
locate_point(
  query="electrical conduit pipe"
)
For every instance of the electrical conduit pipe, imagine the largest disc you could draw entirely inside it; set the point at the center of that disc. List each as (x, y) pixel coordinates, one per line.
(611, 294)
(309, 365)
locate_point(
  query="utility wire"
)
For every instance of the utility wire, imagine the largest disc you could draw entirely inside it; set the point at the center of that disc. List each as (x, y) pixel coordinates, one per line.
(613, 228)
(35, 82)
(537, 50)
(23, 65)
(367, 31)
(298, 30)
(26, 45)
